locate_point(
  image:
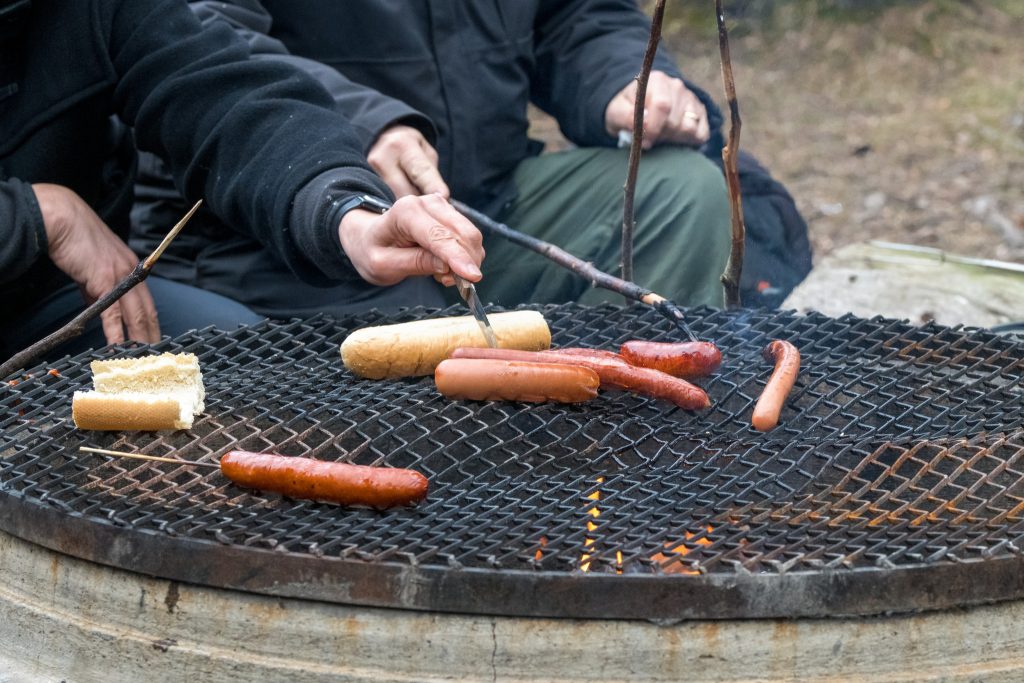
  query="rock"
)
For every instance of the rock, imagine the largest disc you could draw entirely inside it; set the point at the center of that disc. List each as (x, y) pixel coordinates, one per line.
(912, 283)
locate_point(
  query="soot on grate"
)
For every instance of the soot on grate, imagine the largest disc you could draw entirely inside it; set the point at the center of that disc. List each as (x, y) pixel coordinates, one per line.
(899, 449)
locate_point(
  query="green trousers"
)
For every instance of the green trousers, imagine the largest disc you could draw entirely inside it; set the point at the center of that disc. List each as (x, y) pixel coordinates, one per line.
(574, 199)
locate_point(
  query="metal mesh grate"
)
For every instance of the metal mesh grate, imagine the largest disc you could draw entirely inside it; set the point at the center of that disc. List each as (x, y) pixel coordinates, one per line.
(619, 487)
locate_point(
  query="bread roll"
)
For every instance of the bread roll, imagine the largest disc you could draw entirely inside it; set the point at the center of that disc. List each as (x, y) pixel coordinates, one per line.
(416, 348)
(146, 394)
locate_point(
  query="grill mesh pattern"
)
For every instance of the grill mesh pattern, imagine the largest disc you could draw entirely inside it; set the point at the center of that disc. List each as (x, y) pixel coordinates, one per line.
(622, 484)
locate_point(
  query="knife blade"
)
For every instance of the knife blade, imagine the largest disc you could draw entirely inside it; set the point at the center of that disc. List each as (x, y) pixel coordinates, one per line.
(472, 299)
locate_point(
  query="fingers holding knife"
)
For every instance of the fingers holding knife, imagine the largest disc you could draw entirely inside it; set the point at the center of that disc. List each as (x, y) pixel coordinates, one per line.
(419, 235)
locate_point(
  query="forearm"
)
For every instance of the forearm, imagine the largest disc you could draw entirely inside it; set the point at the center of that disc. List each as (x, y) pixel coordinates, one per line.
(22, 230)
(248, 136)
(315, 216)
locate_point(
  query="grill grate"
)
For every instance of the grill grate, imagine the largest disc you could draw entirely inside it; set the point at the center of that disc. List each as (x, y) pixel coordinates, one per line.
(608, 504)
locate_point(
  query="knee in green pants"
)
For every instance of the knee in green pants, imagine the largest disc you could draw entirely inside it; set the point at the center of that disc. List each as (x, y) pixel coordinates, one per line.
(574, 200)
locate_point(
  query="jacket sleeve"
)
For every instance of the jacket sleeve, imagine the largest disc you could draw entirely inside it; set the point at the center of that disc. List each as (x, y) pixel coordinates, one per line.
(369, 111)
(22, 234)
(586, 52)
(248, 136)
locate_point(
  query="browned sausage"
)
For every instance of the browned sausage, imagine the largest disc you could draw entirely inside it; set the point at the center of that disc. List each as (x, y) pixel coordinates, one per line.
(614, 374)
(511, 380)
(680, 359)
(787, 366)
(337, 482)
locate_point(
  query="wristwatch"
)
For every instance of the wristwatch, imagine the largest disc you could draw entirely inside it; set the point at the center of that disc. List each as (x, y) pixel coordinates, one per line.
(363, 201)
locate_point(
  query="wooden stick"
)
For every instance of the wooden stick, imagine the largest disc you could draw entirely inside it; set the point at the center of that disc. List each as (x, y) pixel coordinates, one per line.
(730, 156)
(140, 456)
(77, 325)
(635, 146)
(586, 270)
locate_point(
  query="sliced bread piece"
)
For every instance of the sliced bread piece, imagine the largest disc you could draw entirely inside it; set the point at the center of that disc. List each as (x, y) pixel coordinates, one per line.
(146, 394)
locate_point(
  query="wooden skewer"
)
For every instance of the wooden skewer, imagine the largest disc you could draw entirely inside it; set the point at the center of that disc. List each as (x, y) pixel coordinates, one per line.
(139, 456)
(584, 269)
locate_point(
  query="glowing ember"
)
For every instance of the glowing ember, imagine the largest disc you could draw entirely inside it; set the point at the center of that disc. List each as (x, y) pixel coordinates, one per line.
(540, 553)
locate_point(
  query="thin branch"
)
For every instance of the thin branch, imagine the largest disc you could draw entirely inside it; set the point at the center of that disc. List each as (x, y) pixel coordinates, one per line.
(586, 270)
(730, 157)
(77, 325)
(635, 145)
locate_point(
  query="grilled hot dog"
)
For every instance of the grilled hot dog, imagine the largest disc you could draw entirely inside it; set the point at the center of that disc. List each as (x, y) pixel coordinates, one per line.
(337, 482)
(613, 373)
(599, 354)
(680, 359)
(787, 366)
(510, 380)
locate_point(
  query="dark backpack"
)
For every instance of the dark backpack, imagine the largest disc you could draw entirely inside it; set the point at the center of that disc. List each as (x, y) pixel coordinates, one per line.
(777, 251)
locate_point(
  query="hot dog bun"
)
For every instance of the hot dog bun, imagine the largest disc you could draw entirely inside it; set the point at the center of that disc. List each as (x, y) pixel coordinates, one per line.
(129, 411)
(146, 394)
(416, 348)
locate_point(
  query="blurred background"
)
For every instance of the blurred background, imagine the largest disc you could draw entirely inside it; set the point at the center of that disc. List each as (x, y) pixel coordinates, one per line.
(896, 120)
(887, 120)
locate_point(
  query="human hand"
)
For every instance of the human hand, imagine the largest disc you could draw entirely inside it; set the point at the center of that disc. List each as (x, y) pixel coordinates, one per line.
(404, 159)
(85, 249)
(418, 235)
(672, 112)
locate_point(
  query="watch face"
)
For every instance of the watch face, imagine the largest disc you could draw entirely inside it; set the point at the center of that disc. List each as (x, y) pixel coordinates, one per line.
(374, 204)
(365, 202)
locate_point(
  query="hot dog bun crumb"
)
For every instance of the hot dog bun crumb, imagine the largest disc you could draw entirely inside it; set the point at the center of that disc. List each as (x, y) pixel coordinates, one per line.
(415, 348)
(147, 394)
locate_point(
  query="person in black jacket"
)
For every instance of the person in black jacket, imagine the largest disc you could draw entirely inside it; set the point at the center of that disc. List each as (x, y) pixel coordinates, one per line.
(438, 92)
(258, 140)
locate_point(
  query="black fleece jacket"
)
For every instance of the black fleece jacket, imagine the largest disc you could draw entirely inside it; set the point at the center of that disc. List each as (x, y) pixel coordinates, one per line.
(461, 71)
(258, 140)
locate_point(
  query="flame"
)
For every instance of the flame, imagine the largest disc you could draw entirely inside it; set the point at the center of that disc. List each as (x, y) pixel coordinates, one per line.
(671, 562)
(594, 512)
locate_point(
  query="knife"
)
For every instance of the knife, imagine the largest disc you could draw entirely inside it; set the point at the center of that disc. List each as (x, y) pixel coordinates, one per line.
(468, 293)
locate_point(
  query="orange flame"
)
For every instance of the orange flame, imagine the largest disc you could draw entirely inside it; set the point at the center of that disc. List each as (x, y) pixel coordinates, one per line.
(671, 562)
(594, 512)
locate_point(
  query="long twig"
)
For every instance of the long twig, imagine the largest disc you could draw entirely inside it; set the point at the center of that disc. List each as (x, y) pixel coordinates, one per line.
(586, 270)
(77, 325)
(635, 145)
(730, 156)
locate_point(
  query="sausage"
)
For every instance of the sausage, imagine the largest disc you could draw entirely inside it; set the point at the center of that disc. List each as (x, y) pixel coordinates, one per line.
(614, 374)
(599, 354)
(512, 380)
(337, 482)
(680, 359)
(787, 366)
(597, 363)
